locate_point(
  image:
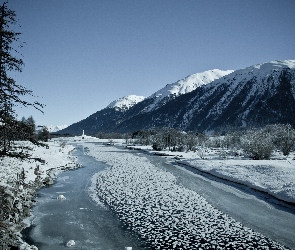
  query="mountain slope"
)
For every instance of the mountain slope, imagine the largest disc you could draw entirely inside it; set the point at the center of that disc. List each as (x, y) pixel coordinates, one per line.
(255, 96)
(123, 109)
(251, 97)
(186, 85)
(126, 102)
(170, 92)
(55, 128)
(105, 119)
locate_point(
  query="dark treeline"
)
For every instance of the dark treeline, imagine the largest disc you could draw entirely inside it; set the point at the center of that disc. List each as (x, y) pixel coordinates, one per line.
(255, 143)
(21, 130)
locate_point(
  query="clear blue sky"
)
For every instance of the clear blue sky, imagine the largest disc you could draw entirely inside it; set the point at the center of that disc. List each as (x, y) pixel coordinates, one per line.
(80, 55)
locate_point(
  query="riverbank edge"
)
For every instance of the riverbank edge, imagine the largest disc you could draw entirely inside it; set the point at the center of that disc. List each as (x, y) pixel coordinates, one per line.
(123, 148)
(10, 232)
(182, 161)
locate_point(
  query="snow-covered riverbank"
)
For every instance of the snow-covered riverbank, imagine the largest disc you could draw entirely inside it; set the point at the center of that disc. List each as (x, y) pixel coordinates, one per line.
(275, 177)
(19, 180)
(169, 216)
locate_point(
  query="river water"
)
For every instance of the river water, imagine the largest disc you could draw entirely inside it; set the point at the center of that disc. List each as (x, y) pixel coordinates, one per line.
(78, 217)
(93, 226)
(254, 209)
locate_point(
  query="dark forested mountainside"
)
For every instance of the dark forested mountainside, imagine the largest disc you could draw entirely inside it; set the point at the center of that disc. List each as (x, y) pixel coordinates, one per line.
(104, 120)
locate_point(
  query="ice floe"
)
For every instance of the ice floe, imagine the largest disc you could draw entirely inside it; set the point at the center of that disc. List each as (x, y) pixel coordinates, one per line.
(61, 197)
(71, 243)
(165, 214)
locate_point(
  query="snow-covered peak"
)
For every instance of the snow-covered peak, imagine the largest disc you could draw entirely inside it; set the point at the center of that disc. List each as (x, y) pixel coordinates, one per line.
(276, 64)
(190, 83)
(268, 67)
(53, 128)
(126, 102)
(261, 80)
(185, 85)
(260, 72)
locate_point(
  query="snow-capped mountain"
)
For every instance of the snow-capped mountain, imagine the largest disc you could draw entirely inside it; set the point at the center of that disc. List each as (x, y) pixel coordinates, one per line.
(213, 100)
(106, 119)
(126, 102)
(55, 128)
(126, 107)
(52, 128)
(186, 85)
(254, 85)
(255, 96)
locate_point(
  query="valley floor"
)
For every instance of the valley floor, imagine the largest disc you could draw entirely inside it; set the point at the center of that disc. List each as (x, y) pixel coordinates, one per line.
(146, 198)
(169, 216)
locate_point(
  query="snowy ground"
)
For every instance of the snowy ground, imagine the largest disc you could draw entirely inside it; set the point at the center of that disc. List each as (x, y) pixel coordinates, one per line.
(19, 180)
(164, 213)
(275, 177)
(146, 199)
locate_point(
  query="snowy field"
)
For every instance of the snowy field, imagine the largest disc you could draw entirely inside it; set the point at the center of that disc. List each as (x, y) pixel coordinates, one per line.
(19, 180)
(275, 177)
(167, 215)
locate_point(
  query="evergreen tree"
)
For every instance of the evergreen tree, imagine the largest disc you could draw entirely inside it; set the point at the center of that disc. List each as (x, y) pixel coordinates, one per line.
(30, 122)
(11, 93)
(43, 134)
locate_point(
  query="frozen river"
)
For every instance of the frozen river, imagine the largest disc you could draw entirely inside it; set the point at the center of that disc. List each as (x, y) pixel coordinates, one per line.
(254, 209)
(94, 226)
(78, 217)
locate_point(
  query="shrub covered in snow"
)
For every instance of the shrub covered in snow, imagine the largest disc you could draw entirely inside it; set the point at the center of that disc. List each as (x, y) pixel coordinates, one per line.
(257, 144)
(283, 137)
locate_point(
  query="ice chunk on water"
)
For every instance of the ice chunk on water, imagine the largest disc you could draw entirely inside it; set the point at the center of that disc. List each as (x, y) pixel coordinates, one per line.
(61, 197)
(71, 243)
(25, 246)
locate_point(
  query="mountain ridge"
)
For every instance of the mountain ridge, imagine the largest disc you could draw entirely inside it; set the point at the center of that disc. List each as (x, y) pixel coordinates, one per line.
(123, 109)
(184, 86)
(232, 101)
(126, 102)
(252, 96)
